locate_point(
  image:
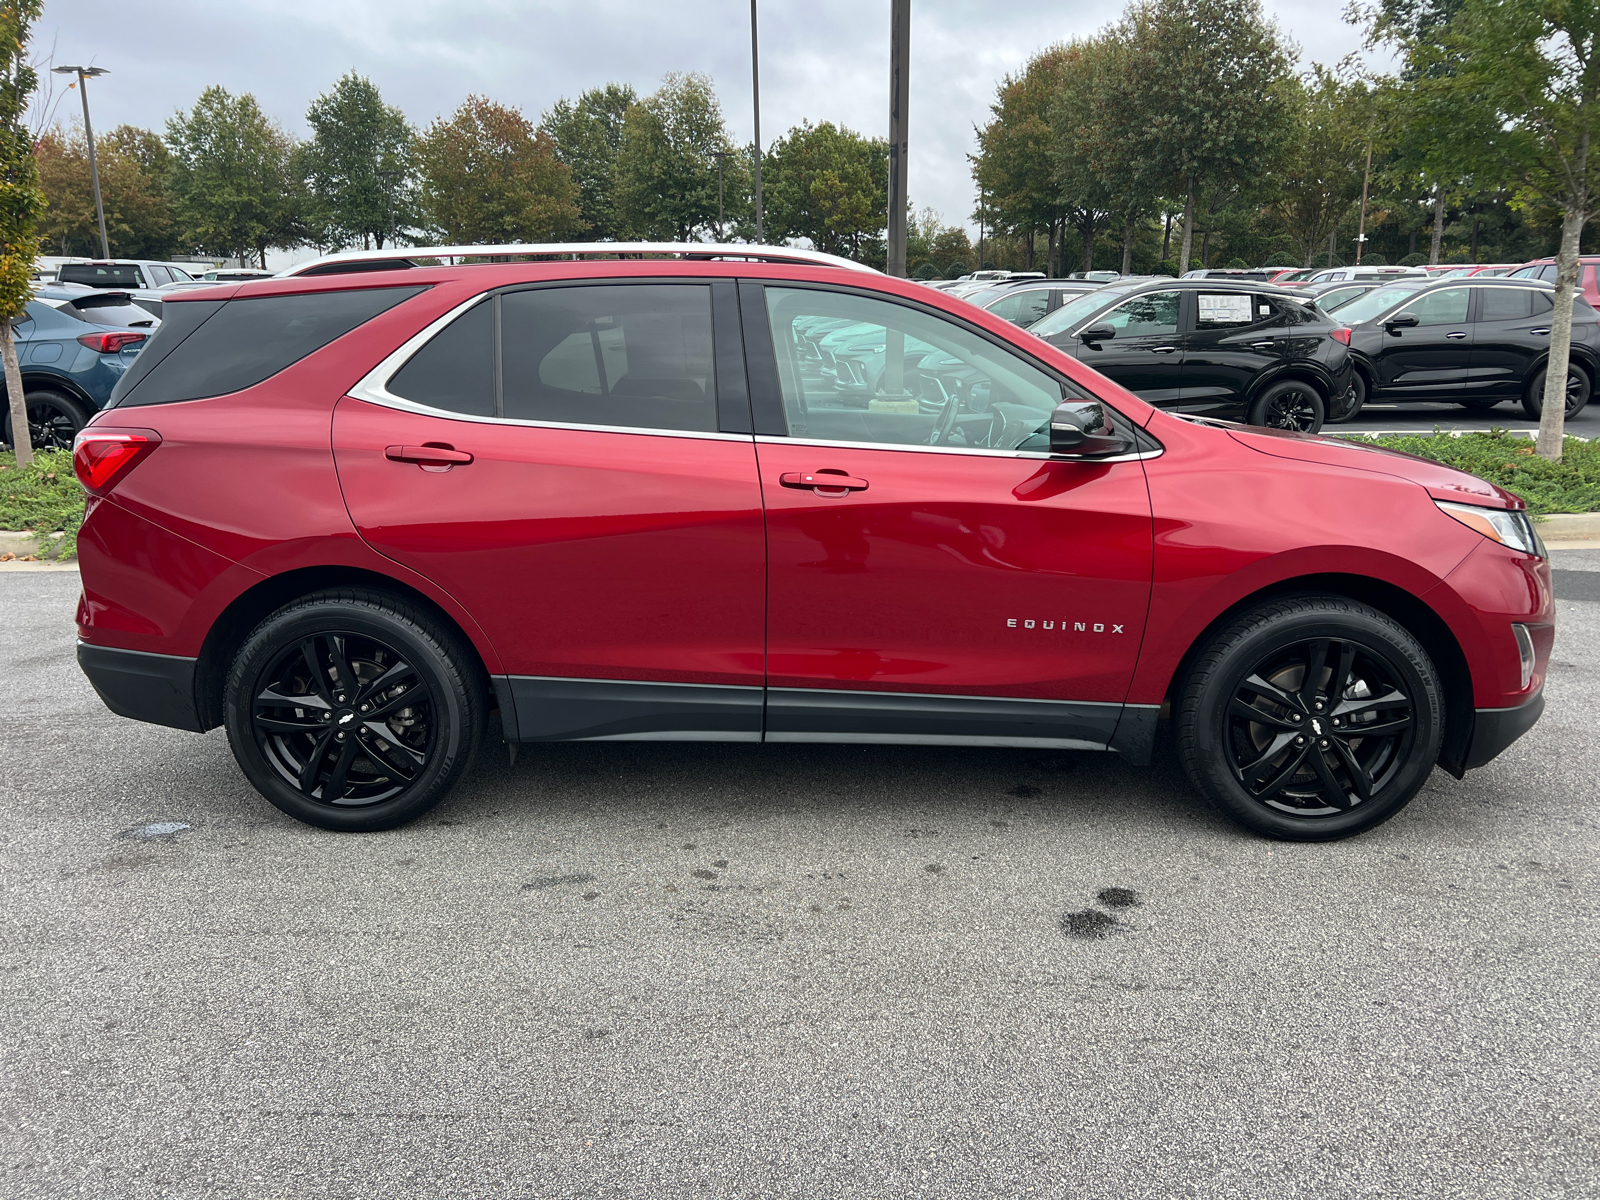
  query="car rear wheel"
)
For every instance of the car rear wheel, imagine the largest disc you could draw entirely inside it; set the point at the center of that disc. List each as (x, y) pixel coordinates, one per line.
(1310, 718)
(1291, 405)
(1578, 391)
(53, 420)
(351, 710)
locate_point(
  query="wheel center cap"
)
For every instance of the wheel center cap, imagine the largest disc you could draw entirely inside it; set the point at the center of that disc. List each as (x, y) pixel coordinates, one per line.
(1316, 727)
(344, 718)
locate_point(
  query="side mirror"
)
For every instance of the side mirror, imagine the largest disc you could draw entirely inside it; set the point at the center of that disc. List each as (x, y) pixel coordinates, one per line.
(1100, 333)
(1083, 429)
(1403, 321)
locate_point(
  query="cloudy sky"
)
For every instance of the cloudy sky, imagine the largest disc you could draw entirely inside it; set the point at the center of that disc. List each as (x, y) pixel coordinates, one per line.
(820, 59)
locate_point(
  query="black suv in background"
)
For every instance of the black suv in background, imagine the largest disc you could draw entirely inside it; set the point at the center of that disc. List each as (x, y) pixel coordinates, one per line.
(1237, 350)
(1473, 342)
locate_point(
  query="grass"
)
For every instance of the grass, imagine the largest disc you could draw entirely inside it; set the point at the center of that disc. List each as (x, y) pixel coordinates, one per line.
(1569, 486)
(43, 498)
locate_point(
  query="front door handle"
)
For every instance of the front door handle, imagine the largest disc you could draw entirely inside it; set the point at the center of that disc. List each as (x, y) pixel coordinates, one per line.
(1163, 349)
(1262, 345)
(431, 455)
(824, 483)
(1546, 330)
(1456, 334)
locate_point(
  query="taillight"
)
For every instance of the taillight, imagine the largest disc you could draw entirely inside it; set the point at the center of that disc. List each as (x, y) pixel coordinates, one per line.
(1341, 334)
(100, 457)
(110, 343)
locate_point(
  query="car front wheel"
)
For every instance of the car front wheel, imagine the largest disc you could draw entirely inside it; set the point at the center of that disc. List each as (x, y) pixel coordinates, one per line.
(1310, 718)
(351, 710)
(1291, 405)
(1578, 392)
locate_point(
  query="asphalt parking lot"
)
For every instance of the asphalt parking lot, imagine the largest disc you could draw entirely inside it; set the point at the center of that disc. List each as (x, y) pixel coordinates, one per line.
(701, 971)
(1425, 418)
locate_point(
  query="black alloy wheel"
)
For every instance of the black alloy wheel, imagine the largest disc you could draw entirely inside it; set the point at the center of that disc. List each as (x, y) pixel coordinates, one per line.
(1350, 403)
(1579, 389)
(1291, 405)
(344, 718)
(53, 421)
(1311, 718)
(352, 710)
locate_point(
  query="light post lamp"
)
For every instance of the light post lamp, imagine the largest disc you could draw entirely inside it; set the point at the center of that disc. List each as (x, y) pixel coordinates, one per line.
(720, 155)
(84, 74)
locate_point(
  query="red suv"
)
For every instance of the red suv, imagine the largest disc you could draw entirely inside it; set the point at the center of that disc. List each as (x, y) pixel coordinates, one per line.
(370, 515)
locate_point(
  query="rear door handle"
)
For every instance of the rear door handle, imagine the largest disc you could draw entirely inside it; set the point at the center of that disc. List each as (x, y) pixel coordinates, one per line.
(1262, 345)
(1546, 329)
(823, 482)
(428, 456)
(1163, 349)
(1456, 334)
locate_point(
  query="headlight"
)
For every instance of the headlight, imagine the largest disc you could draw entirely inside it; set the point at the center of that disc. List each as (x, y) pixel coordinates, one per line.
(1509, 528)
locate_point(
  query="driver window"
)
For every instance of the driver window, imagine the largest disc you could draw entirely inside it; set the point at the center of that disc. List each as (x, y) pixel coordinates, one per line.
(1448, 307)
(1153, 315)
(857, 369)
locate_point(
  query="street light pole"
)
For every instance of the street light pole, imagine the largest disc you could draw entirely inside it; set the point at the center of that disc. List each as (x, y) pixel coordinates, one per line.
(84, 74)
(755, 88)
(899, 100)
(1361, 233)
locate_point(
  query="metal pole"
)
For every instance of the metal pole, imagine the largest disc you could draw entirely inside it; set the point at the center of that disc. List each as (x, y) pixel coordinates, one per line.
(94, 167)
(755, 88)
(899, 101)
(1361, 233)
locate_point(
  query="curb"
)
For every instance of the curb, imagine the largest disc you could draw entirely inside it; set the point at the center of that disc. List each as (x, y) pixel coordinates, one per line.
(19, 543)
(1569, 527)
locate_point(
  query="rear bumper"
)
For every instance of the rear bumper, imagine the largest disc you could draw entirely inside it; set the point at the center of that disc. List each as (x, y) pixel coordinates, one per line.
(1493, 729)
(158, 688)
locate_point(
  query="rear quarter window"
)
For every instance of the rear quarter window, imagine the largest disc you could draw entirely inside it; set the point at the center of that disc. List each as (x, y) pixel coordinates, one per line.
(229, 345)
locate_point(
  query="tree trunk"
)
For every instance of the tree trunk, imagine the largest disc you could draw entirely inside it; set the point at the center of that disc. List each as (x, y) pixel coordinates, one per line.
(21, 438)
(1127, 244)
(1476, 222)
(1413, 249)
(1205, 249)
(1438, 226)
(1030, 247)
(1088, 241)
(1333, 241)
(1552, 420)
(1186, 246)
(1166, 237)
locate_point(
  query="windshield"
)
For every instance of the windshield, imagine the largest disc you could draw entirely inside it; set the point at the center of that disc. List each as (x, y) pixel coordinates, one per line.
(1379, 300)
(1075, 310)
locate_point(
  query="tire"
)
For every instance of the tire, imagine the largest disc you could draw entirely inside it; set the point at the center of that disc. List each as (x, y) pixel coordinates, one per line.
(1579, 389)
(1354, 399)
(1480, 403)
(396, 763)
(53, 420)
(1257, 773)
(1292, 405)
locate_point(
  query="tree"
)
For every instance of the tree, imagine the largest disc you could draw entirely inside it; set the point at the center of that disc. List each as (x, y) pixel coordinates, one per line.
(588, 139)
(488, 176)
(21, 202)
(1206, 87)
(1521, 80)
(666, 182)
(1016, 167)
(134, 166)
(829, 185)
(231, 183)
(358, 164)
(1324, 161)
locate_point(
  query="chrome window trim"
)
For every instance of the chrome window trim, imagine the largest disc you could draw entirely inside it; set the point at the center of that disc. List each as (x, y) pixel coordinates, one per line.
(373, 388)
(767, 439)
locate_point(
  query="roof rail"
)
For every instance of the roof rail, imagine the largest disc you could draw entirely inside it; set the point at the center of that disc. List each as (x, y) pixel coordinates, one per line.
(402, 258)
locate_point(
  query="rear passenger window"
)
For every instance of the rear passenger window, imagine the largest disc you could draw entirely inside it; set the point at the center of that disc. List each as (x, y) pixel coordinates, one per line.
(633, 355)
(1223, 310)
(1506, 304)
(246, 341)
(455, 370)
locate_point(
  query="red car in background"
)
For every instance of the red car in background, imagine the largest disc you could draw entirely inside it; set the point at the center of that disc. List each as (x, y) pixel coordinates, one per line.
(371, 515)
(1588, 275)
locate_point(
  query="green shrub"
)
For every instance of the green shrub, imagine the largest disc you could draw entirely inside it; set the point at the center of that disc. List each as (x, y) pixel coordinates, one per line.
(926, 271)
(1414, 259)
(956, 270)
(1165, 268)
(1282, 259)
(1238, 264)
(43, 498)
(1374, 260)
(1569, 486)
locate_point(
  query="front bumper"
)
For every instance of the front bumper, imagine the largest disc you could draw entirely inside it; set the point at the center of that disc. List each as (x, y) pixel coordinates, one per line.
(1493, 729)
(158, 688)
